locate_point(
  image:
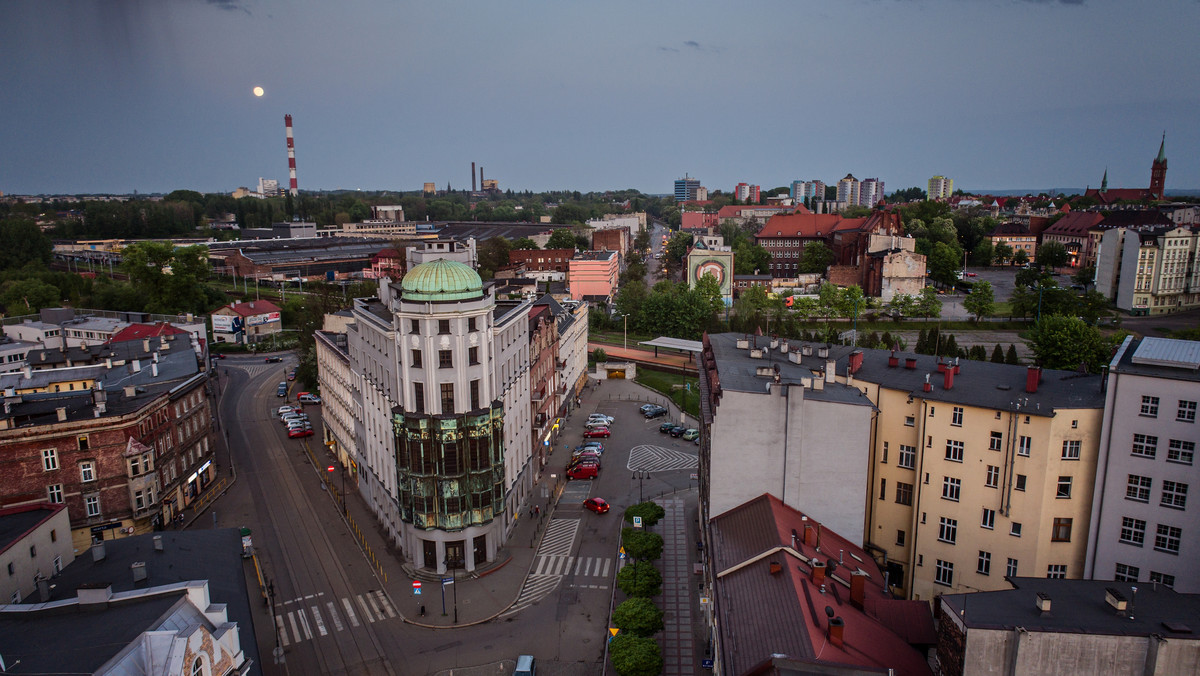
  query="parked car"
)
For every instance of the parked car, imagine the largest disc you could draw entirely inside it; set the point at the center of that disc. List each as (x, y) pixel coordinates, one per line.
(286, 408)
(606, 419)
(274, 360)
(655, 412)
(281, 391)
(597, 505)
(691, 434)
(299, 432)
(593, 445)
(587, 470)
(666, 427)
(309, 398)
(292, 374)
(585, 456)
(601, 432)
(677, 431)
(645, 407)
(593, 423)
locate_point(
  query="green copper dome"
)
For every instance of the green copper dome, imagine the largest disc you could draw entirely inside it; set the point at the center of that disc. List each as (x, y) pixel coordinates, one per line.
(441, 280)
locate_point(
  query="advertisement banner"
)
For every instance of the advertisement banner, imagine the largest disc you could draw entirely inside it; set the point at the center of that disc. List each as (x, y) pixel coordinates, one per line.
(222, 324)
(265, 318)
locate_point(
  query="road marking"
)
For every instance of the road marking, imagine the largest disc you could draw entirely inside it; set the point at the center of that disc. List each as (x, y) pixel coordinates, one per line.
(371, 600)
(384, 603)
(317, 618)
(536, 588)
(337, 621)
(295, 630)
(366, 610)
(350, 612)
(607, 563)
(658, 459)
(304, 624)
(281, 630)
(578, 563)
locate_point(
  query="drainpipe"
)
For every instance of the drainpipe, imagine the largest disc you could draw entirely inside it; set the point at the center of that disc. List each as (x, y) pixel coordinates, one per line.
(919, 491)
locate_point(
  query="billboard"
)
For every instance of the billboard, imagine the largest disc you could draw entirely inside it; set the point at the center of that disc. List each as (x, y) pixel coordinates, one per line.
(265, 318)
(222, 324)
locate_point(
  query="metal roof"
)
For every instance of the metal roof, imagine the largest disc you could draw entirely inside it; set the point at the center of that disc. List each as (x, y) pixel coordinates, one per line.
(1183, 354)
(675, 344)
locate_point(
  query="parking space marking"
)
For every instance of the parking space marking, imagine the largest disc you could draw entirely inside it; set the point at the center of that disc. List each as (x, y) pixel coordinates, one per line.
(658, 459)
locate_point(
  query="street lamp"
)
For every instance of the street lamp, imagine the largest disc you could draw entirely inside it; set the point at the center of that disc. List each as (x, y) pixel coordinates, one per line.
(639, 475)
(454, 574)
(625, 344)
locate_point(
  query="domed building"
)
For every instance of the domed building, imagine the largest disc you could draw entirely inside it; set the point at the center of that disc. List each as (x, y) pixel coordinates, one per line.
(444, 442)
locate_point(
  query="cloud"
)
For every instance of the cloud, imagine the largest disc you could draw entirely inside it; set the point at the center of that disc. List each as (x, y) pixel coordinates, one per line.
(668, 49)
(1061, 2)
(690, 44)
(693, 44)
(228, 5)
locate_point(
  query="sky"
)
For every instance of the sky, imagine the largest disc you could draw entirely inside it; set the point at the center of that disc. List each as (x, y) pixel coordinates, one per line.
(104, 96)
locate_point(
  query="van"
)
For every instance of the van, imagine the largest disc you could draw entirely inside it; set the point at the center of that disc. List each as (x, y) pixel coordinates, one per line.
(586, 470)
(281, 391)
(525, 666)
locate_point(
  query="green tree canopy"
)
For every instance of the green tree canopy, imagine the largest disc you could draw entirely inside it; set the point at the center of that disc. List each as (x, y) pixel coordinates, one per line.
(1020, 257)
(928, 304)
(641, 545)
(944, 263)
(815, 257)
(169, 280)
(22, 242)
(27, 296)
(635, 655)
(1002, 253)
(638, 616)
(562, 238)
(1052, 255)
(493, 255)
(981, 301)
(640, 578)
(650, 512)
(1060, 342)
(524, 243)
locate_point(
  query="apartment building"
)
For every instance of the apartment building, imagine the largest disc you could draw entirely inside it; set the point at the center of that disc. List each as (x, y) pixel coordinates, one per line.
(338, 393)
(1144, 527)
(1018, 238)
(594, 274)
(940, 188)
(1150, 270)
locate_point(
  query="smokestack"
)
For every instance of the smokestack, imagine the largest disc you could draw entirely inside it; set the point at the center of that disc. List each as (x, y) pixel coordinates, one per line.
(481, 177)
(472, 177)
(818, 573)
(1033, 375)
(948, 382)
(293, 189)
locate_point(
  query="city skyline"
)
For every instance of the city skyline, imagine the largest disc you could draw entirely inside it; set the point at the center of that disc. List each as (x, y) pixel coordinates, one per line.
(996, 95)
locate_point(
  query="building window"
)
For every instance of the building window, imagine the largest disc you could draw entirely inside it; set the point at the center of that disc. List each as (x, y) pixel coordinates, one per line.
(58, 565)
(932, 410)
(1064, 487)
(909, 421)
(989, 519)
(91, 505)
(416, 359)
(1061, 531)
(473, 356)
(1167, 539)
(1015, 529)
(1149, 407)
(419, 397)
(87, 471)
(984, 566)
(1125, 573)
(948, 530)
(1181, 451)
(443, 326)
(904, 493)
(1162, 578)
(996, 442)
(1070, 449)
(1056, 571)
(474, 394)
(1010, 569)
(83, 442)
(908, 457)
(899, 538)
(1145, 445)
(885, 452)
(954, 450)
(445, 359)
(54, 493)
(139, 500)
(951, 488)
(447, 390)
(1186, 412)
(956, 416)
(1138, 488)
(883, 489)
(944, 573)
(1024, 443)
(993, 477)
(1174, 494)
(198, 667)
(49, 459)
(1133, 531)
(471, 323)
(414, 326)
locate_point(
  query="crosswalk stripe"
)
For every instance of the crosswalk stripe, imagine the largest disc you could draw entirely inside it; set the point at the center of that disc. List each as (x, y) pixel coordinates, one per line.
(607, 563)
(281, 630)
(371, 600)
(317, 619)
(333, 615)
(384, 603)
(295, 630)
(304, 624)
(578, 563)
(365, 609)
(350, 612)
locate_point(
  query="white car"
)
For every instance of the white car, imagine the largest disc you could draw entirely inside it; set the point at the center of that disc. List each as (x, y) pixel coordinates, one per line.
(284, 409)
(593, 423)
(289, 417)
(307, 398)
(606, 419)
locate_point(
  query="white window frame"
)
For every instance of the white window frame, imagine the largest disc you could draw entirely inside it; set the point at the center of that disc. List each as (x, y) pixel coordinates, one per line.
(1174, 494)
(49, 459)
(947, 530)
(943, 573)
(54, 493)
(1071, 449)
(91, 505)
(87, 471)
(951, 488)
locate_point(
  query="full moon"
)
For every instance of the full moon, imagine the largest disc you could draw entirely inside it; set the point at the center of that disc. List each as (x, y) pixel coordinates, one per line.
(258, 91)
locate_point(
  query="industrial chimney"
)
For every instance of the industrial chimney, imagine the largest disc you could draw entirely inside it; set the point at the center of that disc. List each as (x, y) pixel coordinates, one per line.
(292, 187)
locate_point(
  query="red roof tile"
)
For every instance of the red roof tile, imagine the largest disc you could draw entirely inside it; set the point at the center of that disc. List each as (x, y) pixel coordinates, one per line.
(253, 307)
(139, 331)
(1074, 224)
(807, 225)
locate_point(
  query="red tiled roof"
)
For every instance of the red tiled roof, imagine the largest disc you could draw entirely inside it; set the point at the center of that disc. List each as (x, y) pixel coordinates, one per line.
(732, 210)
(1116, 194)
(253, 307)
(806, 225)
(1074, 224)
(386, 253)
(1010, 228)
(139, 331)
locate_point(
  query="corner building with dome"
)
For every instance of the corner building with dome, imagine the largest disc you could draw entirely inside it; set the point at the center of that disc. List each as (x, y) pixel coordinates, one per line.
(442, 438)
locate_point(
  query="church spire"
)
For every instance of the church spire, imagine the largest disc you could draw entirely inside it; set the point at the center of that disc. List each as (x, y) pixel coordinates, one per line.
(1104, 181)
(1162, 156)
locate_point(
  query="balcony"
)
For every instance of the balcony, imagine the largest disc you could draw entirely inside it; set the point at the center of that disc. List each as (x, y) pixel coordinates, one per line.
(539, 396)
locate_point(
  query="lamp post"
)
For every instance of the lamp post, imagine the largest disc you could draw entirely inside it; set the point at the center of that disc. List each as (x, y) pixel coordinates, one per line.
(454, 574)
(625, 342)
(640, 475)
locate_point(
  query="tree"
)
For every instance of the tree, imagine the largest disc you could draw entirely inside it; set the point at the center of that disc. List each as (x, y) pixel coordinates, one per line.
(21, 242)
(1060, 342)
(928, 303)
(1020, 257)
(639, 616)
(599, 355)
(569, 213)
(641, 545)
(561, 238)
(982, 253)
(1010, 357)
(981, 301)
(28, 296)
(1052, 255)
(998, 355)
(524, 243)
(640, 578)
(635, 655)
(1085, 276)
(1093, 305)
(944, 263)
(922, 342)
(168, 280)
(815, 257)
(493, 255)
(650, 512)
(1002, 253)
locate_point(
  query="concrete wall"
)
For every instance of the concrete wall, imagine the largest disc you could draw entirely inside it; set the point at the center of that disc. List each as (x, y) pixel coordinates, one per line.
(1052, 654)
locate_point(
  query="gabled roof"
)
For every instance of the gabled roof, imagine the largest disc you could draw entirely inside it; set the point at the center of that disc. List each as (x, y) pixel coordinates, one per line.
(806, 225)
(252, 308)
(767, 603)
(140, 331)
(1117, 194)
(1010, 228)
(1134, 219)
(1075, 224)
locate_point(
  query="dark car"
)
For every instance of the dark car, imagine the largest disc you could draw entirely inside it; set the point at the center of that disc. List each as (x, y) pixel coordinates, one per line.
(597, 505)
(677, 431)
(589, 446)
(274, 360)
(666, 427)
(654, 412)
(586, 456)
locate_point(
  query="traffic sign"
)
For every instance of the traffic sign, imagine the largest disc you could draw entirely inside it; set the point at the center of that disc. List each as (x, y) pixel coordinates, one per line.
(330, 468)
(416, 586)
(695, 476)
(417, 591)
(706, 664)
(447, 580)
(637, 522)
(612, 630)
(704, 600)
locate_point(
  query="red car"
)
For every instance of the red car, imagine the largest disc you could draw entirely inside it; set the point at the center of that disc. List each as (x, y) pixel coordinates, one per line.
(587, 470)
(597, 505)
(298, 432)
(597, 432)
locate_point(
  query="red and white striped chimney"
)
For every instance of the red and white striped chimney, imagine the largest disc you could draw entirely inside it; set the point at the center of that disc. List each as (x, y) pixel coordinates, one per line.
(292, 188)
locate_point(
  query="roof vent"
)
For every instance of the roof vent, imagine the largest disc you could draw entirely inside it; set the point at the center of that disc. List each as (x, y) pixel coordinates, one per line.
(98, 552)
(62, 413)
(94, 594)
(776, 568)
(139, 570)
(158, 543)
(1043, 602)
(1116, 599)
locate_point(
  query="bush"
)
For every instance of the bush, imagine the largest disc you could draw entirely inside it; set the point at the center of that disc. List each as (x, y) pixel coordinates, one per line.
(639, 616)
(641, 545)
(640, 578)
(635, 656)
(599, 355)
(650, 512)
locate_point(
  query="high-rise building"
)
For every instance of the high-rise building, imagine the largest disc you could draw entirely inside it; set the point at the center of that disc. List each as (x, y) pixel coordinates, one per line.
(744, 192)
(807, 190)
(685, 188)
(870, 192)
(940, 188)
(847, 189)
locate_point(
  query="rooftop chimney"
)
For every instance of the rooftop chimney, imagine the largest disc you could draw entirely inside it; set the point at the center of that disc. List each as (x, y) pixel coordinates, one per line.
(1115, 598)
(830, 370)
(1033, 376)
(927, 387)
(62, 413)
(858, 589)
(836, 628)
(136, 365)
(138, 568)
(948, 379)
(818, 572)
(154, 370)
(776, 568)
(145, 345)
(956, 367)
(1043, 602)
(910, 363)
(96, 594)
(893, 360)
(941, 365)
(856, 361)
(823, 351)
(130, 390)
(158, 543)
(98, 552)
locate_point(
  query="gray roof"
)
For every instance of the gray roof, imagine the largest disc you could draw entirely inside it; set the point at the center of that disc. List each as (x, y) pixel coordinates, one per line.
(675, 344)
(1078, 607)
(15, 526)
(979, 383)
(462, 230)
(1184, 354)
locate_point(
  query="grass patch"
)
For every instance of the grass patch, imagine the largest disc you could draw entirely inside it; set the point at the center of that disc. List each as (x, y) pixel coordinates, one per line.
(664, 384)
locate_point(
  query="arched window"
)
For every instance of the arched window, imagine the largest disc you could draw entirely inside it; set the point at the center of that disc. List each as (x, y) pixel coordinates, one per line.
(198, 667)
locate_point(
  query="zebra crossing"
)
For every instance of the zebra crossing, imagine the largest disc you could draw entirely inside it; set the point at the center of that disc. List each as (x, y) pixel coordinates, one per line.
(579, 566)
(254, 369)
(314, 616)
(659, 459)
(555, 547)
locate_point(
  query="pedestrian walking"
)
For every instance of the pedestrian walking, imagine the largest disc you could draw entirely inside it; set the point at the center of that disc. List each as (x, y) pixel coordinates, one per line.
(531, 511)
(537, 510)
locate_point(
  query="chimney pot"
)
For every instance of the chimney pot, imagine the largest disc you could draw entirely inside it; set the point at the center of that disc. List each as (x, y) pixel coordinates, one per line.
(98, 552)
(858, 589)
(62, 413)
(1033, 376)
(1043, 602)
(818, 570)
(910, 362)
(158, 543)
(948, 379)
(927, 386)
(893, 361)
(837, 628)
(776, 568)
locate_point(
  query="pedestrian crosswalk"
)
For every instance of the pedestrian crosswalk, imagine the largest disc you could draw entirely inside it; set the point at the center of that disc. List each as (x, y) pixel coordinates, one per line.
(579, 566)
(550, 563)
(659, 459)
(254, 369)
(314, 616)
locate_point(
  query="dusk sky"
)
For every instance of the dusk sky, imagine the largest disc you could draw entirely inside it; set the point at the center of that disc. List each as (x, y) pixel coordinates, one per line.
(156, 95)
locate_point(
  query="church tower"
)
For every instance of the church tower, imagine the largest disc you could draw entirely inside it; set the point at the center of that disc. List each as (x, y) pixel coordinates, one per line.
(1158, 171)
